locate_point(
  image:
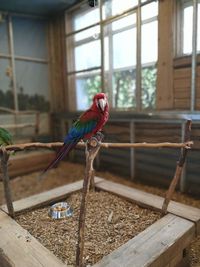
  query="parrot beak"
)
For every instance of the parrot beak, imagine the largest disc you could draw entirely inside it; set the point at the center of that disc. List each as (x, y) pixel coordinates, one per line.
(101, 104)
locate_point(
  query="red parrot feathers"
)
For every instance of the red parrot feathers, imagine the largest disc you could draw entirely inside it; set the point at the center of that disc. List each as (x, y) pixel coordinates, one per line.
(88, 124)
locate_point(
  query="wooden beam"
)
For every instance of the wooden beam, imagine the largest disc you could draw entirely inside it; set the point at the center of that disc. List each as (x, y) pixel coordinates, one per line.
(164, 94)
(46, 197)
(20, 249)
(57, 58)
(148, 200)
(150, 248)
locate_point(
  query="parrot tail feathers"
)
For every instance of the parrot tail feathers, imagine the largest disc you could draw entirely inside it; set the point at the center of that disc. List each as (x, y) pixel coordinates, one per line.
(65, 149)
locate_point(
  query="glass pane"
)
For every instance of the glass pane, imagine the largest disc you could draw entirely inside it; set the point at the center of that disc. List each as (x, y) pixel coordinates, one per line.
(6, 85)
(114, 7)
(106, 54)
(149, 76)
(120, 62)
(84, 19)
(187, 30)
(86, 87)
(33, 33)
(124, 22)
(32, 95)
(93, 32)
(149, 11)
(4, 44)
(149, 47)
(124, 86)
(88, 55)
(124, 49)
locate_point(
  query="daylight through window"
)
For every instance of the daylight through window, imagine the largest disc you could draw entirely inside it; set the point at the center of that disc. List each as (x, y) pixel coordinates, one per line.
(127, 69)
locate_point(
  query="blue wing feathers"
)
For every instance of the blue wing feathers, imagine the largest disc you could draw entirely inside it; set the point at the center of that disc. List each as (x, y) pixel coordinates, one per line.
(77, 132)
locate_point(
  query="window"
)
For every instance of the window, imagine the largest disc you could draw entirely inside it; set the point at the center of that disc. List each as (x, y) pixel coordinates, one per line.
(23, 59)
(127, 35)
(84, 56)
(185, 22)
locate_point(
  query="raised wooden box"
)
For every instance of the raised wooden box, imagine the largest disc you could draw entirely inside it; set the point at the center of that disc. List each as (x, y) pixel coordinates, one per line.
(163, 244)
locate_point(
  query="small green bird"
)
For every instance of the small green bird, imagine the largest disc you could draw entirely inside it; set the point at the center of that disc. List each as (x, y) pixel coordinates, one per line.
(5, 137)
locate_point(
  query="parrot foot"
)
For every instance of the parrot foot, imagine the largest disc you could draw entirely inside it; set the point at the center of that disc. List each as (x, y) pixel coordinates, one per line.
(95, 140)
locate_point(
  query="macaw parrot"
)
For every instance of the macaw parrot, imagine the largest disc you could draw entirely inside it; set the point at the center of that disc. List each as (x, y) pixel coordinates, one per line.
(5, 137)
(87, 125)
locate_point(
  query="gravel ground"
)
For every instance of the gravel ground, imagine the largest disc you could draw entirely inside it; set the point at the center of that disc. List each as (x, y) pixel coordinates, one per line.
(102, 236)
(69, 172)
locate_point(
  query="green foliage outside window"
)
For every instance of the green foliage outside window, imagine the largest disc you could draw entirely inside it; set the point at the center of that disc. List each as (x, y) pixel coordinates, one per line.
(92, 87)
(124, 89)
(149, 76)
(124, 84)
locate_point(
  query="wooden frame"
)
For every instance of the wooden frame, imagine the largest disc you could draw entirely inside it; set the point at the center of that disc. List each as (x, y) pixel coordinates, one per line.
(19, 126)
(11, 55)
(165, 240)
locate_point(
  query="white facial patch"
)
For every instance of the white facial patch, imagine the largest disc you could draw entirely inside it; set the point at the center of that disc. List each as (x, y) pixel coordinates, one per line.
(102, 103)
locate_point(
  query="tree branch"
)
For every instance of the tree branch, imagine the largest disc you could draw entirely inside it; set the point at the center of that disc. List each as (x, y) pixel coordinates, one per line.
(54, 145)
(179, 168)
(92, 148)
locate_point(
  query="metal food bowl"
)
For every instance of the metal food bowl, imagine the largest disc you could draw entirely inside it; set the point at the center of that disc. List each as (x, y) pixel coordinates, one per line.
(60, 210)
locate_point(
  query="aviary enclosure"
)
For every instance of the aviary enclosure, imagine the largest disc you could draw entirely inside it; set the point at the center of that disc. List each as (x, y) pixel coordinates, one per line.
(129, 195)
(176, 231)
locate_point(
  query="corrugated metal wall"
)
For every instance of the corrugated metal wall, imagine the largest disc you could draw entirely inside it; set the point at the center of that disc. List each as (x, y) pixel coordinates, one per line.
(152, 166)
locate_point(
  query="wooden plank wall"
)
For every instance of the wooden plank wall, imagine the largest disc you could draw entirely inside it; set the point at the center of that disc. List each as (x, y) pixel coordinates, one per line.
(174, 70)
(164, 92)
(182, 88)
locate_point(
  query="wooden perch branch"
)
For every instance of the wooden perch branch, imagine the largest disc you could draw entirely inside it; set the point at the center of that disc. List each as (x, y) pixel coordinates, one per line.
(179, 169)
(92, 148)
(55, 145)
(21, 147)
(147, 145)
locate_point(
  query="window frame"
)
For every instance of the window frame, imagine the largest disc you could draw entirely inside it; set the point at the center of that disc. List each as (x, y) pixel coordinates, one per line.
(103, 24)
(13, 57)
(180, 6)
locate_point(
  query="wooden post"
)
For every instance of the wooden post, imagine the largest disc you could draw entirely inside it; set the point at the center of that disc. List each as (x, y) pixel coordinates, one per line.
(92, 148)
(179, 169)
(132, 150)
(4, 156)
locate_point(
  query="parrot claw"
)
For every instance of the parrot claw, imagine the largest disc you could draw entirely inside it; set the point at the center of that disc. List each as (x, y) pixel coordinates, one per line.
(95, 140)
(99, 136)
